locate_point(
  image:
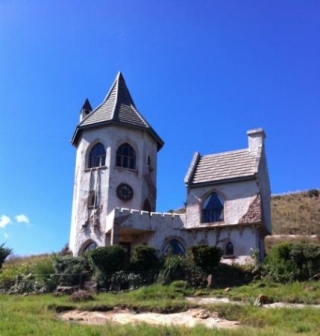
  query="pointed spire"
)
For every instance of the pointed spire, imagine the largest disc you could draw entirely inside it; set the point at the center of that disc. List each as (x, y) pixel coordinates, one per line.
(85, 110)
(119, 92)
(87, 105)
(117, 107)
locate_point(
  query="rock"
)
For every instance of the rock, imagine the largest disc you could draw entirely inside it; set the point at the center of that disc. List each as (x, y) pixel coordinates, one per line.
(263, 299)
(228, 289)
(66, 289)
(202, 314)
(210, 281)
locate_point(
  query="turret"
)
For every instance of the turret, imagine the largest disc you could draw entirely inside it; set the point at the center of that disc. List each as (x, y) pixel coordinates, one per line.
(85, 110)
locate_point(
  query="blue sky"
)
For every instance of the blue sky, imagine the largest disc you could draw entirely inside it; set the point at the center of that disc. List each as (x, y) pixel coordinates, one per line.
(201, 72)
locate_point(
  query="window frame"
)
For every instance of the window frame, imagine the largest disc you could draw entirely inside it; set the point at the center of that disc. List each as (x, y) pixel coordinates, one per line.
(126, 157)
(214, 213)
(97, 156)
(228, 249)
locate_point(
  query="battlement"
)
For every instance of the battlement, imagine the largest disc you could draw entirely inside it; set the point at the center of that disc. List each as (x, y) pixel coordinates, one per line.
(126, 211)
(144, 220)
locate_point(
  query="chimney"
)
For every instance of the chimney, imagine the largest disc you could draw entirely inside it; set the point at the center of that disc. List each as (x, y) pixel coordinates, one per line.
(256, 139)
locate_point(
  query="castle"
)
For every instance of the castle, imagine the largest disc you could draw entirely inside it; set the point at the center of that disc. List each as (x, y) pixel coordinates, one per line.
(115, 189)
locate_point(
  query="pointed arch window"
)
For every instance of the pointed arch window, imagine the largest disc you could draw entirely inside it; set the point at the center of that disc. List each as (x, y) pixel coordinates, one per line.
(147, 206)
(174, 247)
(97, 156)
(229, 249)
(126, 157)
(91, 245)
(213, 209)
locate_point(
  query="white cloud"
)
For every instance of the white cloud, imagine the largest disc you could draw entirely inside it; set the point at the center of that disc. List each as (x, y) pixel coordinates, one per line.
(4, 221)
(22, 219)
(5, 235)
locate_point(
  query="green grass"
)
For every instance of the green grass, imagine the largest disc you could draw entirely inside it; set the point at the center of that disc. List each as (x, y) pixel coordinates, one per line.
(296, 292)
(38, 314)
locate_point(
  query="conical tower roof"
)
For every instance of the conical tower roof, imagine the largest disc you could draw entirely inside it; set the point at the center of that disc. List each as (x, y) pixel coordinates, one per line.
(117, 108)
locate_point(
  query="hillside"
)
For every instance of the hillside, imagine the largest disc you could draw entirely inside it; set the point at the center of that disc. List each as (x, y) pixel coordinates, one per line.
(296, 213)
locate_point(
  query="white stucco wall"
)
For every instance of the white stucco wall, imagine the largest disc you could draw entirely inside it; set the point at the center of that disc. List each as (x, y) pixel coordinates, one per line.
(163, 227)
(106, 179)
(237, 199)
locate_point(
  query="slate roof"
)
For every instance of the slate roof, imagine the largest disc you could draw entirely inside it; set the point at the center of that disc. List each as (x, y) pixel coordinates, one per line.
(223, 167)
(117, 108)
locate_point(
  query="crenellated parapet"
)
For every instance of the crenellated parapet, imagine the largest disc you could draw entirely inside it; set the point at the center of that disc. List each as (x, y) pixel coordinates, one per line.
(144, 220)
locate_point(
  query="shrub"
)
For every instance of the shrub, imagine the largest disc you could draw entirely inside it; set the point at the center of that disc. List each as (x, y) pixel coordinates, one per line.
(106, 261)
(293, 261)
(4, 252)
(205, 257)
(109, 259)
(71, 271)
(313, 193)
(122, 280)
(174, 268)
(145, 258)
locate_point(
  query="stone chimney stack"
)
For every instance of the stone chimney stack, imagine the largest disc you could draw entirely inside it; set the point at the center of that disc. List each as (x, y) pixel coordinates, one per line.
(256, 139)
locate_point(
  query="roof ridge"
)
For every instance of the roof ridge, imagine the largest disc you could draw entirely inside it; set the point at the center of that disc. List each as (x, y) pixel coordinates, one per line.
(116, 83)
(227, 152)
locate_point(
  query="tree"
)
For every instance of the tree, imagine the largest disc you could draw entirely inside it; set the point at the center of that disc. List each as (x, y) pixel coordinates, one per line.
(4, 252)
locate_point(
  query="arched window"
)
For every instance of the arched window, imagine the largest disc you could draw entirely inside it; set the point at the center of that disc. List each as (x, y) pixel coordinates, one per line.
(212, 209)
(147, 206)
(97, 156)
(229, 249)
(90, 246)
(174, 247)
(126, 157)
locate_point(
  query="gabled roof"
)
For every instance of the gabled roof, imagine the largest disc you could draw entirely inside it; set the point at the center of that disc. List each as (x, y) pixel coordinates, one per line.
(223, 167)
(117, 108)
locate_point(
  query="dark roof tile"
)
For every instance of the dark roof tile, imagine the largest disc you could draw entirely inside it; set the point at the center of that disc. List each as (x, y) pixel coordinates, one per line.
(117, 107)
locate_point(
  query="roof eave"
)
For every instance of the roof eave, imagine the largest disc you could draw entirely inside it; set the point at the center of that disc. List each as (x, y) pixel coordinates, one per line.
(150, 130)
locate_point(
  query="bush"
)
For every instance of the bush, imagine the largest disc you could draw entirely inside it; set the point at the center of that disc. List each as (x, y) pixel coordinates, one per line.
(293, 261)
(109, 259)
(4, 252)
(71, 271)
(145, 259)
(174, 268)
(106, 261)
(205, 257)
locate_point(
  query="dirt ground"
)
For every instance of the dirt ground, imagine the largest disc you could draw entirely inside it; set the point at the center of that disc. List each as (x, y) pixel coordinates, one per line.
(189, 318)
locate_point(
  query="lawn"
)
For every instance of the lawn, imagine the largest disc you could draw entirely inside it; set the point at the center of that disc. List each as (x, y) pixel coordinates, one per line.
(38, 314)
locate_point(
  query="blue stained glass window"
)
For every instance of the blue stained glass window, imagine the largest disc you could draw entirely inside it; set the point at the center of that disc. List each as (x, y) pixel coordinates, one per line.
(212, 209)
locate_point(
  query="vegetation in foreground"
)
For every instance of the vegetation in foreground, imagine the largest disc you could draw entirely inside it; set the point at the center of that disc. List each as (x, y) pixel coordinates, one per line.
(38, 314)
(290, 274)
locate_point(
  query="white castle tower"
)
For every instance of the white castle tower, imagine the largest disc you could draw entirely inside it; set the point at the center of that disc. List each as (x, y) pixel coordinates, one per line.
(116, 166)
